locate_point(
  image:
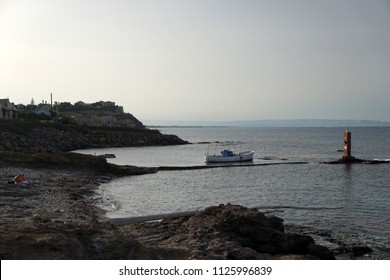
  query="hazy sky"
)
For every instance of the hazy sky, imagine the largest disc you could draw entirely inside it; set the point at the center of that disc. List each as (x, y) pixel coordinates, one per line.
(201, 60)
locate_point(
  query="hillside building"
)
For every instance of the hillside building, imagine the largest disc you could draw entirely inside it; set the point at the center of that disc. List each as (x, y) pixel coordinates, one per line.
(7, 109)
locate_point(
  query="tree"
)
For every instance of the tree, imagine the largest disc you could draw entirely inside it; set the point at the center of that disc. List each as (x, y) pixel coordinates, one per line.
(32, 102)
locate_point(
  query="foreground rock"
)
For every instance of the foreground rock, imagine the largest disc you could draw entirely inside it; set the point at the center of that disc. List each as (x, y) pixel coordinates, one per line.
(225, 232)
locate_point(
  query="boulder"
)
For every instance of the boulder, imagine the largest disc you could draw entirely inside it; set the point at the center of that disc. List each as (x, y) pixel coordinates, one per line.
(226, 232)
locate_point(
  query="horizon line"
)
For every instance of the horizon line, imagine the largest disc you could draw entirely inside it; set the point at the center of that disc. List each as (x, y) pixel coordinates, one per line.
(271, 123)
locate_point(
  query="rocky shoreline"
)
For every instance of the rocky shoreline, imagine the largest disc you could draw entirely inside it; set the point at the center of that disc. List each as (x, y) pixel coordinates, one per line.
(55, 217)
(46, 137)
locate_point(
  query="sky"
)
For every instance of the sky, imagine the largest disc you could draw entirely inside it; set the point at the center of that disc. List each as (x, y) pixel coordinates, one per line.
(215, 60)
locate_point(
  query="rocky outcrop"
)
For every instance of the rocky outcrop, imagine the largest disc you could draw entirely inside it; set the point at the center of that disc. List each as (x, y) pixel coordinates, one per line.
(226, 232)
(353, 160)
(54, 138)
(70, 161)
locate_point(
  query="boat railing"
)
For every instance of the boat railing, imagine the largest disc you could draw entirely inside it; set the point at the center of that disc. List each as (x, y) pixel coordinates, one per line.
(226, 149)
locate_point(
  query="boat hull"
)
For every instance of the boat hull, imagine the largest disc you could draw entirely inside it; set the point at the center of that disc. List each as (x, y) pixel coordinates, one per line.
(244, 156)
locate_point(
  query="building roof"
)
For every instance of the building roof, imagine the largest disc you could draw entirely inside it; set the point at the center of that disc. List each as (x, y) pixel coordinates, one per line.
(5, 104)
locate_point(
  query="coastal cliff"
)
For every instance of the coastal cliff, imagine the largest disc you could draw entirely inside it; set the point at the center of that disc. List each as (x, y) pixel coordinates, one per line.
(47, 137)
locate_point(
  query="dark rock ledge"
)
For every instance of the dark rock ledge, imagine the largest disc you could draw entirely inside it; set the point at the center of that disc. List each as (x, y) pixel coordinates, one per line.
(33, 137)
(70, 161)
(353, 160)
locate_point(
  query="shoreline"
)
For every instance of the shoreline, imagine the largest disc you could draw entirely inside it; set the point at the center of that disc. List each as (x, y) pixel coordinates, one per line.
(56, 217)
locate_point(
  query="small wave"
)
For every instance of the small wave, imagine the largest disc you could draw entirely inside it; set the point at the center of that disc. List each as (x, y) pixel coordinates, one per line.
(382, 159)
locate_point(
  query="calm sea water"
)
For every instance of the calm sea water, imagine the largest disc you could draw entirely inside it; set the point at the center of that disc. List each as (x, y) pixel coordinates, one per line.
(351, 201)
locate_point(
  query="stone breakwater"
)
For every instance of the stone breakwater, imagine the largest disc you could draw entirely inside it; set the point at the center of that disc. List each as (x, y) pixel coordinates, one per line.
(55, 138)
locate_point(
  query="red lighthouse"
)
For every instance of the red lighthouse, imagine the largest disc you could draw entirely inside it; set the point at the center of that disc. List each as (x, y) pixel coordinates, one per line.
(347, 157)
(347, 143)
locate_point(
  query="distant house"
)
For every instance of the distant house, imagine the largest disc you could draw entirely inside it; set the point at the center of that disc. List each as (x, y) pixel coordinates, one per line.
(104, 104)
(7, 109)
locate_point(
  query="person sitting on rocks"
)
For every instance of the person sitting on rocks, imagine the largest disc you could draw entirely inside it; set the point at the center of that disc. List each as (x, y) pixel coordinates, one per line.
(20, 179)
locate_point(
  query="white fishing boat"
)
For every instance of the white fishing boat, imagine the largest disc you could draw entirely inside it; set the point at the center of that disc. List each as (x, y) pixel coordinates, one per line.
(229, 155)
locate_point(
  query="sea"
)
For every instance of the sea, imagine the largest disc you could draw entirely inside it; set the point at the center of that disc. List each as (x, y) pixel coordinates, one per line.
(288, 178)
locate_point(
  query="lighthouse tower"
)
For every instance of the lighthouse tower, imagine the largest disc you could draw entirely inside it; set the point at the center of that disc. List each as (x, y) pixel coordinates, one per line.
(347, 143)
(347, 146)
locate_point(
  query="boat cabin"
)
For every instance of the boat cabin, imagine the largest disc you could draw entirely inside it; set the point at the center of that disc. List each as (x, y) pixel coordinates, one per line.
(227, 153)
